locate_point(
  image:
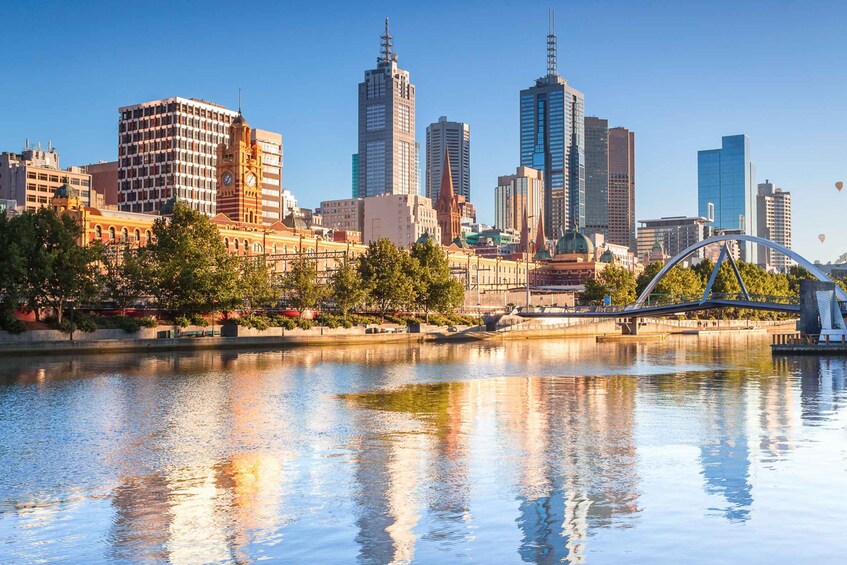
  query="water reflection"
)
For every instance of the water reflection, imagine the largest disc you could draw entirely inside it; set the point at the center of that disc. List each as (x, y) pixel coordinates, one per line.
(525, 451)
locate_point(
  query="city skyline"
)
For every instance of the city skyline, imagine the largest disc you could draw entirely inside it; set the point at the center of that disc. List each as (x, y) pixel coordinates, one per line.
(804, 162)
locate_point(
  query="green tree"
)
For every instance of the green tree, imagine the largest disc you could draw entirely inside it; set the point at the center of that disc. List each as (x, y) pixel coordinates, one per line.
(436, 290)
(384, 269)
(11, 274)
(191, 269)
(255, 281)
(795, 274)
(615, 281)
(647, 275)
(125, 273)
(347, 289)
(300, 284)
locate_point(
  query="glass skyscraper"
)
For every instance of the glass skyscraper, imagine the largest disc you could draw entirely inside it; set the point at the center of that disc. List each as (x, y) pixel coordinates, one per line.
(553, 141)
(726, 190)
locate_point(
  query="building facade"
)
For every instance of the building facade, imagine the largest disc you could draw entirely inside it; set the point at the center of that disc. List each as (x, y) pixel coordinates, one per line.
(239, 175)
(622, 187)
(347, 214)
(673, 234)
(387, 161)
(401, 218)
(453, 138)
(552, 115)
(273, 199)
(167, 149)
(774, 216)
(104, 180)
(31, 177)
(596, 175)
(517, 198)
(725, 192)
(355, 167)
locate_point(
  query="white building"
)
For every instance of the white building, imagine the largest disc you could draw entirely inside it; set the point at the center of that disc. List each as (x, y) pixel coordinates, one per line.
(774, 217)
(401, 218)
(454, 138)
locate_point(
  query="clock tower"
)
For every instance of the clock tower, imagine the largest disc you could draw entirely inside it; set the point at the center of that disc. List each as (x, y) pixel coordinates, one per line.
(239, 174)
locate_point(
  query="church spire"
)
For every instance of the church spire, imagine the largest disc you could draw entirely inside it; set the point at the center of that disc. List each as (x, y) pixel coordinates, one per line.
(446, 179)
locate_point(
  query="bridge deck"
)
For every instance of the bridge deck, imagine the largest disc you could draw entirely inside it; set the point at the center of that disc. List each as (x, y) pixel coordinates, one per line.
(663, 310)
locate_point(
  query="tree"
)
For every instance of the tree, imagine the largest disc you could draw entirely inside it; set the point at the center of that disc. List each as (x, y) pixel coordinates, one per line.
(191, 269)
(255, 282)
(384, 269)
(647, 275)
(11, 273)
(57, 270)
(347, 289)
(125, 273)
(615, 281)
(300, 283)
(795, 274)
(435, 288)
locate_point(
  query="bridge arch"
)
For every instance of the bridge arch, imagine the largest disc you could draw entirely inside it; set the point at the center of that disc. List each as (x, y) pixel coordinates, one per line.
(799, 259)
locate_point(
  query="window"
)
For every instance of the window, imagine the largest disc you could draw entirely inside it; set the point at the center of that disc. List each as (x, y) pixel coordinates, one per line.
(111, 233)
(147, 237)
(98, 232)
(124, 234)
(375, 117)
(137, 235)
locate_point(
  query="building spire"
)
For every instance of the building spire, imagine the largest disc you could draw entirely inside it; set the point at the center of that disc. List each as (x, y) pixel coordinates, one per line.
(239, 101)
(446, 179)
(552, 49)
(387, 45)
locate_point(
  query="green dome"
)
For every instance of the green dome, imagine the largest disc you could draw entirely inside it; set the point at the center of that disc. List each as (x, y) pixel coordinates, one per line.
(460, 243)
(66, 191)
(573, 242)
(542, 255)
(424, 238)
(607, 257)
(294, 222)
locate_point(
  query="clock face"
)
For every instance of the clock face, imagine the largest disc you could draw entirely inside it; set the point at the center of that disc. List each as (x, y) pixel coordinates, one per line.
(250, 179)
(227, 178)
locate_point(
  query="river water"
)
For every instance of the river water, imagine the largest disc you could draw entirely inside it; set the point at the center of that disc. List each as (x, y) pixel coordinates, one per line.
(692, 450)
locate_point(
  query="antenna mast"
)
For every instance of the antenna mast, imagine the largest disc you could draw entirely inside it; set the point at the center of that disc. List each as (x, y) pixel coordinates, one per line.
(551, 44)
(387, 44)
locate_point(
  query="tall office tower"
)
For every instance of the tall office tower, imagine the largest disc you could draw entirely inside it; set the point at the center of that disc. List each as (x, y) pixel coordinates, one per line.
(272, 200)
(167, 148)
(355, 190)
(31, 177)
(518, 197)
(725, 191)
(239, 168)
(553, 141)
(454, 138)
(774, 215)
(622, 187)
(387, 162)
(596, 175)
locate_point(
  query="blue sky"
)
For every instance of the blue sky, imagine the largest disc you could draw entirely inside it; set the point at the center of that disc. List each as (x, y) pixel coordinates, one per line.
(680, 74)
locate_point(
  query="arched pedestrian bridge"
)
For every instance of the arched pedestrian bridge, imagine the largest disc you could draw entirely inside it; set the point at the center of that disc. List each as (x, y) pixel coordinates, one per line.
(647, 306)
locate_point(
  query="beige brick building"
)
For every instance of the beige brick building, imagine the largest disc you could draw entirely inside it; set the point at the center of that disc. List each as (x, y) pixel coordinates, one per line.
(31, 177)
(401, 218)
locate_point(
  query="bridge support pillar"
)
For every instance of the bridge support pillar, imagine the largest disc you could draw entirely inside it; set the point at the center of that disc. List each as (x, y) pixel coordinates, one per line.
(629, 326)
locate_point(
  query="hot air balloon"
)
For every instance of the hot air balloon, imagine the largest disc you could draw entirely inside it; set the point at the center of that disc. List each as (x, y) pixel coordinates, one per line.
(839, 185)
(822, 237)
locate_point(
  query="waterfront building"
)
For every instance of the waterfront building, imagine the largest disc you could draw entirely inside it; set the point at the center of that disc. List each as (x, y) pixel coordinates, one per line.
(725, 192)
(167, 149)
(578, 257)
(673, 234)
(346, 214)
(774, 216)
(622, 187)
(239, 174)
(401, 218)
(596, 175)
(454, 139)
(273, 200)
(387, 161)
(31, 177)
(518, 197)
(355, 161)
(104, 180)
(552, 140)
(447, 206)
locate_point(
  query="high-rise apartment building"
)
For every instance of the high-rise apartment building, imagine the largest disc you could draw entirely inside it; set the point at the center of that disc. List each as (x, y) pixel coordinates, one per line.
(453, 138)
(167, 148)
(621, 187)
(774, 216)
(596, 175)
(387, 152)
(673, 233)
(272, 198)
(725, 180)
(519, 197)
(31, 177)
(553, 141)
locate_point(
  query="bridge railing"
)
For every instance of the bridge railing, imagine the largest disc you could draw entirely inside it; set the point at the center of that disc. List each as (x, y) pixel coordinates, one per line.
(797, 338)
(673, 299)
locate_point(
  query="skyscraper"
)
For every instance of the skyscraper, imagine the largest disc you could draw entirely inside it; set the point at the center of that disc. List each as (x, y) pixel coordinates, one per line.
(774, 215)
(454, 138)
(596, 175)
(518, 198)
(725, 180)
(167, 148)
(272, 197)
(387, 157)
(553, 141)
(622, 187)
